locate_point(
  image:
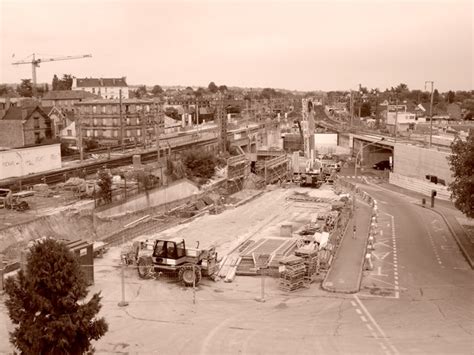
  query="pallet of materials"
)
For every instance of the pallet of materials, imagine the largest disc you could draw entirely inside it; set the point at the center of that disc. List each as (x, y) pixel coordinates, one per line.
(292, 273)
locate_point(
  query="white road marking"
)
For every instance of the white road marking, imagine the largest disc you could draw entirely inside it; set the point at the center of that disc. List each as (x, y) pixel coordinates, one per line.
(363, 319)
(375, 324)
(358, 311)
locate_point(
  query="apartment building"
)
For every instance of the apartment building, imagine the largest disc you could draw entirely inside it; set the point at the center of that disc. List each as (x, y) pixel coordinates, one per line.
(107, 88)
(108, 122)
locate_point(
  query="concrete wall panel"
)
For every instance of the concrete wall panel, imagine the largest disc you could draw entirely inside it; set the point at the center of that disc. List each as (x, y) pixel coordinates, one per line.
(418, 162)
(24, 161)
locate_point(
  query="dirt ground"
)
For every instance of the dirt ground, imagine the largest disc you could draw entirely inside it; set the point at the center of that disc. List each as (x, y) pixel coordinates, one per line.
(165, 317)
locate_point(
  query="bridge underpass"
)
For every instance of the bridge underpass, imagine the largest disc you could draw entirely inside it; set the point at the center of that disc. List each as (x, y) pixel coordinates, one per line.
(373, 151)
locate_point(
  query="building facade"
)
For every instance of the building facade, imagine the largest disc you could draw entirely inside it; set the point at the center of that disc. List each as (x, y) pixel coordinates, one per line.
(65, 99)
(106, 88)
(21, 127)
(110, 123)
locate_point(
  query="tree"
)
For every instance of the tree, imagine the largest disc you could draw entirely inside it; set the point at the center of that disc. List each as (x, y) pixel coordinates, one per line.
(200, 164)
(436, 96)
(451, 96)
(365, 110)
(212, 87)
(55, 82)
(3, 90)
(46, 303)
(157, 90)
(140, 92)
(462, 166)
(105, 184)
(25, 89)
(223, 88)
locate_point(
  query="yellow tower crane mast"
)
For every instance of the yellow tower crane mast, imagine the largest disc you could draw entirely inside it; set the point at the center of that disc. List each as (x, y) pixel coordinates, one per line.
(35, 62)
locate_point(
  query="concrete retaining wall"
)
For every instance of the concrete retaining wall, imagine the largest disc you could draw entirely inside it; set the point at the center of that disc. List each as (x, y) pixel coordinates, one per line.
(417, 162)
(422, 186)
(177, 191)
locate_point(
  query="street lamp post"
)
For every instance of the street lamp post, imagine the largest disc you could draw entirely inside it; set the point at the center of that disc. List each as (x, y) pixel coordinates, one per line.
(431, 110)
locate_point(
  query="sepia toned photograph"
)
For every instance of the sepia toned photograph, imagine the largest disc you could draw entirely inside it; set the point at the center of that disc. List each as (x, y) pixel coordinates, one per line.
(248, 177)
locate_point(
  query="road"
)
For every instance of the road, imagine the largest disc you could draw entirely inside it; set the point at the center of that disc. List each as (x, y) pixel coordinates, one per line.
(420, 291)
(417, 300)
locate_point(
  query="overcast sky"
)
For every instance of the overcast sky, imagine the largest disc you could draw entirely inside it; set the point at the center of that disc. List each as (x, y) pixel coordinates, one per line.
(303, 45)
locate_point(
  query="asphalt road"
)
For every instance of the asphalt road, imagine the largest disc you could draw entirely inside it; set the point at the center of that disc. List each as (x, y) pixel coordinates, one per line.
(420, 291)
(417, 300)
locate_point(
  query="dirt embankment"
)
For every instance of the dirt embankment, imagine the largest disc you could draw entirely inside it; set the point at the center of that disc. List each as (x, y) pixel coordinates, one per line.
(65, 224)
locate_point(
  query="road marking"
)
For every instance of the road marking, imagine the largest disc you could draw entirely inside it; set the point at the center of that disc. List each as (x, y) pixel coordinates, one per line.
(358, 311)
(375, 324)
(363, 319)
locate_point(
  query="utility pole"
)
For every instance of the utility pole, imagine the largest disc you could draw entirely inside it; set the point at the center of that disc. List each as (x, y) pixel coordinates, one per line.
(396, 118)
(351, 104)
(121, 118)
(431, 110)
(79, 136)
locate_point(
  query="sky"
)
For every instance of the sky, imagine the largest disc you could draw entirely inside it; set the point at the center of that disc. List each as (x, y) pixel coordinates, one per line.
(287, 44)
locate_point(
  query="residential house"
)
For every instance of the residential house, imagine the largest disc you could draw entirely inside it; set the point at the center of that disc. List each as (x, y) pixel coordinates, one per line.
(107, 88)
(65, 99)
(24, 126)
(63, 124)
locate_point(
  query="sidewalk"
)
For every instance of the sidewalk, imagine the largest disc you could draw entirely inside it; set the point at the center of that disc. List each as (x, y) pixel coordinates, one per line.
(449, 213)
(345, 272)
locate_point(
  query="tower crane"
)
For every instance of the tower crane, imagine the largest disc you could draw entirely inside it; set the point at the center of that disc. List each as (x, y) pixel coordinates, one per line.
(35, 62)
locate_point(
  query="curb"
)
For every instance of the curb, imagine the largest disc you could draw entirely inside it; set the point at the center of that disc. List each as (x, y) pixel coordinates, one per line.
(461, 246)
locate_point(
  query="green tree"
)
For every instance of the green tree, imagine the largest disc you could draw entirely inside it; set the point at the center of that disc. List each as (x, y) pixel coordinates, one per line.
(365, 109)
(55, 82)
(157, 90)
(3, 90)
(212, 87)
(200, 164)
(436, 96)
(25, 89)
(46, 303)
(450, 96)
(105, 184)
(462, 166)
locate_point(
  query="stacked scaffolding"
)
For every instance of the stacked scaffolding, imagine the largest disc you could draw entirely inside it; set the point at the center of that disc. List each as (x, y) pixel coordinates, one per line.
(292, 273)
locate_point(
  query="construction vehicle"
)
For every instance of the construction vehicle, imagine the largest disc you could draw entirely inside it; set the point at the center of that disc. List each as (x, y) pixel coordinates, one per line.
(173, 257)
(13, 201)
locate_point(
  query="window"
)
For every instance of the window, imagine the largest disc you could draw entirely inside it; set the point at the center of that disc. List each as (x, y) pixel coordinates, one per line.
(93, 90)
(103, 109)
(36, 123)
(69, 132)
(37, 138)
(115, 133)
(94, 109)
(139, 132)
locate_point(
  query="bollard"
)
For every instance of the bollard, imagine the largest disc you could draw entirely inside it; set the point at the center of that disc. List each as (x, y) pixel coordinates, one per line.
(423, 202)
(368, 262)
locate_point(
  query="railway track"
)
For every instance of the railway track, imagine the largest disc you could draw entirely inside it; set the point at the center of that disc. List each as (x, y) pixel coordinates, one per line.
(89, 168)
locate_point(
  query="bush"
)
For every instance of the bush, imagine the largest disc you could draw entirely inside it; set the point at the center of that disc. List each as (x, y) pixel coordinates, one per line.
(200, 164)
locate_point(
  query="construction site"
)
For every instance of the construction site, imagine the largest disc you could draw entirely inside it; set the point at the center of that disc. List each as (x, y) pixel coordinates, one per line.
(264, 224)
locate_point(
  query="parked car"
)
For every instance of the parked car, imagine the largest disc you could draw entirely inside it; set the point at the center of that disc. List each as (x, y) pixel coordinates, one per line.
(382, 165)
